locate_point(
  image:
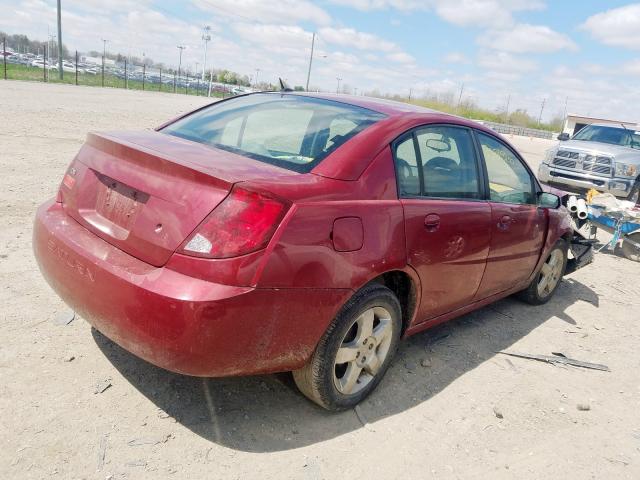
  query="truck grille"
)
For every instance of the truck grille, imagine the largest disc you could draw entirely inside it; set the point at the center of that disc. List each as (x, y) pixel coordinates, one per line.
(563, 162)
(567, 154)
(597, 164)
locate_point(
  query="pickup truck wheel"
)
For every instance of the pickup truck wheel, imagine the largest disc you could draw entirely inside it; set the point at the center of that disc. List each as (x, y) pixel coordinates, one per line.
(634, 194)
(355, 351)
(546, 282)
(630, 251)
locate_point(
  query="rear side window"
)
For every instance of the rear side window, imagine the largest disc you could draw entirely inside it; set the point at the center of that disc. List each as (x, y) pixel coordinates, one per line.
(290, 131)
(509, 180)
(443, 166)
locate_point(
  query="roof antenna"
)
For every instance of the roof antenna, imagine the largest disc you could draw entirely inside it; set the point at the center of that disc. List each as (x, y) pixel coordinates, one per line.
(283, 86)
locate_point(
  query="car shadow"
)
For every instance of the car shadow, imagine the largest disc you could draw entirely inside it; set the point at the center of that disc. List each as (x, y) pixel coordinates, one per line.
(267, 413)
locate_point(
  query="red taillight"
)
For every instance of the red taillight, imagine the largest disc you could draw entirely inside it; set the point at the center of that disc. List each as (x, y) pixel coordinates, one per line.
(244, 222)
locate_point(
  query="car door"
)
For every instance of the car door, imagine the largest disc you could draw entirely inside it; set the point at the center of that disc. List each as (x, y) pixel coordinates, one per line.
(518, 226)
(447, 222)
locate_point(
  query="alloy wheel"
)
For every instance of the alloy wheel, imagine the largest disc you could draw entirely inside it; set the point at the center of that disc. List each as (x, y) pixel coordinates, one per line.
(363, 350)
(550, 273)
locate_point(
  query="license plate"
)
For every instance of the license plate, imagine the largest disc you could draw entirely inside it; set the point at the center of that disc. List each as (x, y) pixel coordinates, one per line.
(118, 202)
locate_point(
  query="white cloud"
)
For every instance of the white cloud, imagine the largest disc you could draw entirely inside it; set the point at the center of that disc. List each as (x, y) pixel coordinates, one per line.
(505, 63)
(456, 57)
(280, 11)
(632, 67)
(350, 37)
(273, 35)
(619, 27)
(478, 13)
(525, 38)
(401, 57)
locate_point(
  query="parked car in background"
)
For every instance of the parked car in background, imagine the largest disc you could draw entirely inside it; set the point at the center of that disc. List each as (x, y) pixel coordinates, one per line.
(293, 232)
(603, 157)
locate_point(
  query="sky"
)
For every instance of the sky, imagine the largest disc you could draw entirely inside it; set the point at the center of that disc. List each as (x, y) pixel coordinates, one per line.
(582, 53)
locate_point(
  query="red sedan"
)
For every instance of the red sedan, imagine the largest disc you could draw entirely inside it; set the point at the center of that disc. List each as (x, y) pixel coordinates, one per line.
(291, 232)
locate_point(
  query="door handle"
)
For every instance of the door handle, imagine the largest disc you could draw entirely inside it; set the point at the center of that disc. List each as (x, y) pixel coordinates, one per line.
(504, 222)
(432, 222)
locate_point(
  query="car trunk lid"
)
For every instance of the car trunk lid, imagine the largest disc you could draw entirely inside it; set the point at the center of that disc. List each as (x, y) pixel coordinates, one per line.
(145, 192)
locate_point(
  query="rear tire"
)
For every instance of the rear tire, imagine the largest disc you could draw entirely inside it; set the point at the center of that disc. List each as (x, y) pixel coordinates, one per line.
(355, 351)
(547, 280)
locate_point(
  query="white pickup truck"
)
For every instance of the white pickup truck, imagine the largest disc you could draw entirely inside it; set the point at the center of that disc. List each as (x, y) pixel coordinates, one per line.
(603, 157)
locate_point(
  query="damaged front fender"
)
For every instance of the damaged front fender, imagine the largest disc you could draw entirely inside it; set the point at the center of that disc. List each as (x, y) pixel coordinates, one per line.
(582, 250)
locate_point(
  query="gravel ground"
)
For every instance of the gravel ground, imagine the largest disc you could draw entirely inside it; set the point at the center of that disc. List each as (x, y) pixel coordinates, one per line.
(450, 407)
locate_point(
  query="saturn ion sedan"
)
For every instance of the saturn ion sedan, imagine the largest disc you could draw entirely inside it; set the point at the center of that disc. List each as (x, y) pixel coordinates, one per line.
(280, 232)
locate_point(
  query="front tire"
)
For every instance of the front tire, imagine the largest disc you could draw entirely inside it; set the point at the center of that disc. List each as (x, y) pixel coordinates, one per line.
(355, 351)
(546, 282)
(634, 194)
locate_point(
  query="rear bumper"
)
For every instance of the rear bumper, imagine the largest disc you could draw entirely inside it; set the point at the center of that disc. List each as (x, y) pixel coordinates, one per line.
(620, 187)
(174, 321)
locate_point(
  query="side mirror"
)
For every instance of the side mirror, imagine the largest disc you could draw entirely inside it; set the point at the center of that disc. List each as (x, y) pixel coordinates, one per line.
(548, 200)
(563, 137)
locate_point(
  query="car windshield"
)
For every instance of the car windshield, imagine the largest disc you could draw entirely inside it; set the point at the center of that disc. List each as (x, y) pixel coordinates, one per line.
(611, 135)
(290, 131)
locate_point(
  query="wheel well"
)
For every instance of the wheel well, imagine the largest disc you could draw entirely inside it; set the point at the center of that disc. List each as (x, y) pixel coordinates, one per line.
(402, 286)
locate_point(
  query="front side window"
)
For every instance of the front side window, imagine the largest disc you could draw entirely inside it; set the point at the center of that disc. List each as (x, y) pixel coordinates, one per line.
(509, 180)
(290, 131)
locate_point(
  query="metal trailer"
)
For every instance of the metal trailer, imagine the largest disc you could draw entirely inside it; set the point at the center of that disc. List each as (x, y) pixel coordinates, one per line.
(624, 228)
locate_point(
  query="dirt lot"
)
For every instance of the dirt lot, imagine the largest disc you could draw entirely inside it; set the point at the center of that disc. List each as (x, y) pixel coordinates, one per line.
(434, 416)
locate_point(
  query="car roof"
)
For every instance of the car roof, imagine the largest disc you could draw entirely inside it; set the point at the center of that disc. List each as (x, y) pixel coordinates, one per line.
(381, 105)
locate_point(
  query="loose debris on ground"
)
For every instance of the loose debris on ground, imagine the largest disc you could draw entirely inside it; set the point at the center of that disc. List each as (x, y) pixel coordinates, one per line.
(559, 358)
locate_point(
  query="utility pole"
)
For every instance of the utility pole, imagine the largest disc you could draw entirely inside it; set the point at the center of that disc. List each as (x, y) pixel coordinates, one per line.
(544, 100)
(410, 92)
(460, 97)
(338, 87)
(60, 71)
(206, 37)
(257, 72)
(313, 41)
(104, 54)
(506, 119)
(566, 102)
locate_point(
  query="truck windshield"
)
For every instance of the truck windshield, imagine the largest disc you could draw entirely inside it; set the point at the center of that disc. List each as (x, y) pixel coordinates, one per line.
(611, 135)
(290, 131)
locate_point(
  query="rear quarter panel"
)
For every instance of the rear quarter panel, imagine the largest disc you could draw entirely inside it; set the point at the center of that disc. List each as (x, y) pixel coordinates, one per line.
(304, 255)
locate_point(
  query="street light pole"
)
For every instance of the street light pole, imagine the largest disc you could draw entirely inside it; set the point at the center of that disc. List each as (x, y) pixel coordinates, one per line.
(338, 87)
(313, 41)
(60, 71)
(181, 48)
(104, 54)
(257, 72)
(206, 37)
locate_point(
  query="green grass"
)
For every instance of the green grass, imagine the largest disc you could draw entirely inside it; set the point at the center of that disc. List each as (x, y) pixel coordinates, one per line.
(25, 72)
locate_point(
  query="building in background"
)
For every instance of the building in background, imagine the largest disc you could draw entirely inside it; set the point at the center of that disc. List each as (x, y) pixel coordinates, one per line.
(574, 123)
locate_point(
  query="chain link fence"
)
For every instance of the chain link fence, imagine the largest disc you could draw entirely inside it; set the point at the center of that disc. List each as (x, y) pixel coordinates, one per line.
(104, 72)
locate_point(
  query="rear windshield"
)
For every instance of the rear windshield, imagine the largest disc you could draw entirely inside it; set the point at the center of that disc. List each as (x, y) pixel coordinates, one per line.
(289, 131)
